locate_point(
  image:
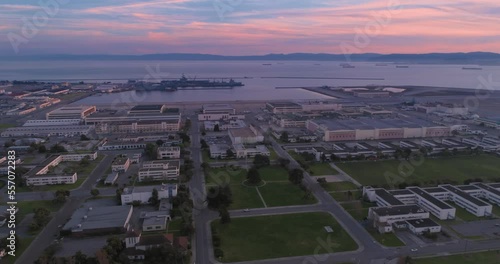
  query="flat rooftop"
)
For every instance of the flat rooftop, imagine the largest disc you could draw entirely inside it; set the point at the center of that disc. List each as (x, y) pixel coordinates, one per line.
(284, 104)
(215, 107)
(120, 161)
(419, 223)
(140, 189)
(398, 210)
(468, 187)
(242, 132)
(488, 188)
(389, 198)
(464, 195)
(365, 123)
(430, 198)
(71, 109)
(401, 192)
(434, 190)
(156, 220)
(98, 218)
(147, 108)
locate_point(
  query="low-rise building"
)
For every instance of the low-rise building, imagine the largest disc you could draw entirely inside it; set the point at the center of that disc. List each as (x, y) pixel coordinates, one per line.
(118, 145)
(71, 112)
(89, 221)
(384, 217)
(471, 204)
(43, 131)
(421, 226)
(159, 170)
(219, 151)
(243, 151)
(283, 107)
(111, 178)
(142, 194)
(120, 164)
(247, 135)
(169, 153)
(52, 122)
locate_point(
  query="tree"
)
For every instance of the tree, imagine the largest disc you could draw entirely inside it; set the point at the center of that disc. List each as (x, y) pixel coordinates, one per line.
(187, 124)
(219, 196)
(184, 137)
(154, 200)
(261, 161)
(42, 149)
(85, 161)
(216, 128)
(321, 181)
(204, 144)
(160, 142)
(94, 192)
(253, 176)
(224, 215)
(57, 149)
(118, 196)
(84, 138)
(151, 150)
(114, 247)
(229, 153)
(284, 136)
(163, 254)
(295, 176)
(61, 195)
(284, 162)
(323, 157)
(80, 258)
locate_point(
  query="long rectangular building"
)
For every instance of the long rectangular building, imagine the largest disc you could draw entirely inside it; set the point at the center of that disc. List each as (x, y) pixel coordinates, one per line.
(71, 112)
(473, 205)
(43, 131)
(379, 129)
(438, 208)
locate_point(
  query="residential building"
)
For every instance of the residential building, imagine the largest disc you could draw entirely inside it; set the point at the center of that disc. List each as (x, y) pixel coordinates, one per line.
(169, 153)
(120, 164)
(159, 170)
(52, 122)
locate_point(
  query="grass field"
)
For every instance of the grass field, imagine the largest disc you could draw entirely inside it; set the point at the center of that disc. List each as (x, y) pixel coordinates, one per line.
(388, 240)
(489, 257)
(23, 245)
(344, 196)
(463, 214)
(27, 207)
(357, 209)
(451, 169)
(254, 238)
(315, 168)
(339, 186)
(277, 191)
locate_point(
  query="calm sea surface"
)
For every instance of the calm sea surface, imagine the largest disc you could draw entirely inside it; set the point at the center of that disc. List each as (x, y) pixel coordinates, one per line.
(260, 80)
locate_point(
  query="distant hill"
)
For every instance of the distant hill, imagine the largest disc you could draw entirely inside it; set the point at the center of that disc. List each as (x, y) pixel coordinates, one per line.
(482, 58)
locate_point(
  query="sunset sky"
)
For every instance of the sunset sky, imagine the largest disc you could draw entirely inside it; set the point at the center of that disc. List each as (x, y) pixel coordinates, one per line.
(245, 27)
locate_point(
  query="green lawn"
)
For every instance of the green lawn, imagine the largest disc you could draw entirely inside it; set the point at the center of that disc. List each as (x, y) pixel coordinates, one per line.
(265, 237)
(27, 207)
(245, 197)
(496, 210)
(489, 257)
(276, 192)
(358, 209)
(451, 169)
(5, 126)
(274, 155)
(344, 197)
(23, 245)
(339, 186)
(464, 214)
(318, 169)
(284, 194)
(388, 240)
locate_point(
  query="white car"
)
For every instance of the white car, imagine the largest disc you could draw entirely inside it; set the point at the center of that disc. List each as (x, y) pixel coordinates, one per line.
(245, 210)
(414, 249)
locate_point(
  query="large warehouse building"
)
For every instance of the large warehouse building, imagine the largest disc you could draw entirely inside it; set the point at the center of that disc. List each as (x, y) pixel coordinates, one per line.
(371, 129)
(71, 112)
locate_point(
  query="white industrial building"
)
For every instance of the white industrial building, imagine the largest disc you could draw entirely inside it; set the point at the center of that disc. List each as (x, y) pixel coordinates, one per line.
(247, 135)
(43, 131)
(384, 217)
(52, 122)
(375, 129)
(243, 151)
(169, 153)
(473, 205)
(421, 226)
(142, 194)
(71, 112)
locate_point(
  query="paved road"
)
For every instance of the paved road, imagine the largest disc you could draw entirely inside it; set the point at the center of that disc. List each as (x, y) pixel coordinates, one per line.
(369, 249)
(51, 230)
